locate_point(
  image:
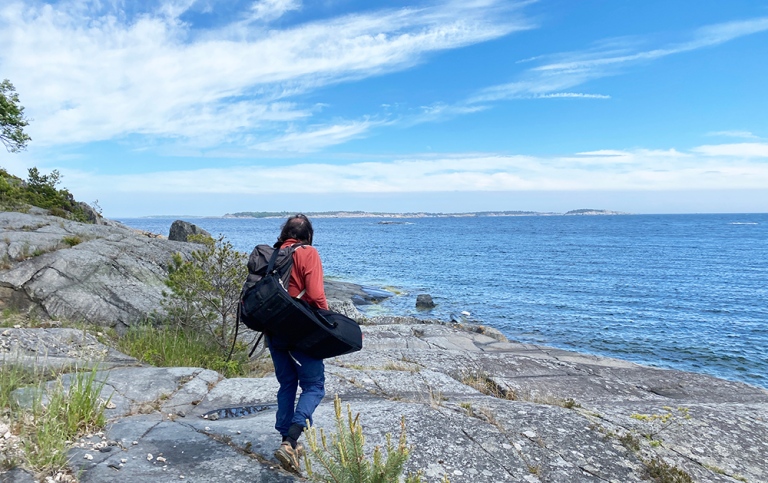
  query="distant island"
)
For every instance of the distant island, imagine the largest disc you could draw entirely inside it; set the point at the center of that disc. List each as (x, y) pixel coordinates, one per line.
(420, 214)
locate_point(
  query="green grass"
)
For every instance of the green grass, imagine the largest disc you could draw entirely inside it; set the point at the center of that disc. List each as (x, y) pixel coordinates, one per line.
(72, 240)
(56, 415)
(175, 347)
(14, 376)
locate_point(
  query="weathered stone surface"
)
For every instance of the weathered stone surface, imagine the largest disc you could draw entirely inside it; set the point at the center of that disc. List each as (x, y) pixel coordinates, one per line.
(182, 230)
(476, 409)
(106, 274)
(58, 348)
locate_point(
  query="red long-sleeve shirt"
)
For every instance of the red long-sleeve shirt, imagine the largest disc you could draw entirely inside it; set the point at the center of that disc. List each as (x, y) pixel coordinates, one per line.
(307, 274)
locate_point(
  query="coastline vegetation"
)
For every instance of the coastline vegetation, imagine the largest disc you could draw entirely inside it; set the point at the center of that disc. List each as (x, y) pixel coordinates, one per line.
(39, 190)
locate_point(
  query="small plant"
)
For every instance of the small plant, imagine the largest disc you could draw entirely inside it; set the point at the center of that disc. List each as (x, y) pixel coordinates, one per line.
(58, 416)
(72, 240)
(630, 441)
(662, 422)
(570, 404)
(666, 473)
(468, 408)
(342, 459)
(486, 385)
(436, 397)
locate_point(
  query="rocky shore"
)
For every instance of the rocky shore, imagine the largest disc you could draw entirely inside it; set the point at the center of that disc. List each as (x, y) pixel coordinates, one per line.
(478, 408)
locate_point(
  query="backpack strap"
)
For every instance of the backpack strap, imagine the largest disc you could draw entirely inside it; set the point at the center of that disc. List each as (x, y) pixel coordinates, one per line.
(273, 259)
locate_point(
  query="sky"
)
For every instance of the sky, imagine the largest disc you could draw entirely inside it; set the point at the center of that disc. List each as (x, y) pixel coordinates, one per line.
(208, 107)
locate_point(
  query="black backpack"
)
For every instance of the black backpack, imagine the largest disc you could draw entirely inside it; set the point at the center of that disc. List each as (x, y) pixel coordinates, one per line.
(266, 307)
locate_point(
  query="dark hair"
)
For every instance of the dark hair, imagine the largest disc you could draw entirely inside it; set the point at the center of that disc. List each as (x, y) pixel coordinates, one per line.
(297, 227)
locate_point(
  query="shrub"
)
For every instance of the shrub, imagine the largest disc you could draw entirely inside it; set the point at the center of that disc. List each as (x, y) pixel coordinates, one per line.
(205, 291)
(39, 190)
(342, 459)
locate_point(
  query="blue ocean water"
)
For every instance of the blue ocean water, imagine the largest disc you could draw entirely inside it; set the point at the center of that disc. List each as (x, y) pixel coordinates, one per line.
(677, 291)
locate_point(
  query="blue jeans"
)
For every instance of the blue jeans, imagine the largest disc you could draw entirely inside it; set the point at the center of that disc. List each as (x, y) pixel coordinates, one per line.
(295, 369)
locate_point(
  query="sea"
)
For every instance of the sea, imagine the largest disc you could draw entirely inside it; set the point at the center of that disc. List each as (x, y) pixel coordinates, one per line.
(686, 292)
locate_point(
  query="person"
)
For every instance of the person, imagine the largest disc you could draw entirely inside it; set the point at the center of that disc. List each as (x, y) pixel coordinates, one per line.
(293, 368)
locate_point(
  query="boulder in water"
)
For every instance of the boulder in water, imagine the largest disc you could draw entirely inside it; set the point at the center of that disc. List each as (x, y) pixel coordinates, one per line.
(424, 302)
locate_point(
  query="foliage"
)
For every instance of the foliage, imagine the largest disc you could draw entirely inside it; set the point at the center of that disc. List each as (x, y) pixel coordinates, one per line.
(52, 421)
(484, 383)
(39, 190)
(659, 423)
(14, 376)
(72, 240)
(662, 472)
(342, 458)
(179, 347)
(12, 120)
(205, 291)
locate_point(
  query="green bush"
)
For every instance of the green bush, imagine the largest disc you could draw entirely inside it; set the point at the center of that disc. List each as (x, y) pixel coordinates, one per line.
(39, 190)
(205, 291)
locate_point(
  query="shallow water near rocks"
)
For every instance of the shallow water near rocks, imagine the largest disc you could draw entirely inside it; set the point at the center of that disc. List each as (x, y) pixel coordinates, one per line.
(678, 291)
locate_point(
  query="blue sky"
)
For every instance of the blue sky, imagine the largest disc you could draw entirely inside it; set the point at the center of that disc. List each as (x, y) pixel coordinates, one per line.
(212, 106)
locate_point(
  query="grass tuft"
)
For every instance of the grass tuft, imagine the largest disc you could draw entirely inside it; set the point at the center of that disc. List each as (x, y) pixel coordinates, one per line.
(176, 347)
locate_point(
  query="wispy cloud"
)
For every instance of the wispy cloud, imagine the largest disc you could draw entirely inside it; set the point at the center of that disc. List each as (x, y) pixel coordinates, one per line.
(739, 150)
(120, 72)
(268, 10)
(734, 134)
(317, 137)
(561, 72)
(703, 168)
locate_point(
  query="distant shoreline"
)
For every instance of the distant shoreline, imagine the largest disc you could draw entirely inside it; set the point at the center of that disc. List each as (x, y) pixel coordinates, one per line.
(421, 214)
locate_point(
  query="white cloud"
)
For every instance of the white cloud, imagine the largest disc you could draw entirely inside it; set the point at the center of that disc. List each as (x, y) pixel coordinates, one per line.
(572, 69)
(625, 170)
(268, 10)
(740, 150)
(734, 134)
(316, 138)
(98, 73)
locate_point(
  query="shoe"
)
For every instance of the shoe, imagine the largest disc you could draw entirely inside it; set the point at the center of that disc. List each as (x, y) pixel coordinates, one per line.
(289, 457)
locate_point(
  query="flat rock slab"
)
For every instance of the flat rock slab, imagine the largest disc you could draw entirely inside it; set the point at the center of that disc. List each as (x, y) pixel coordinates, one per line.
(476, 409)
(58, 347)
(169, 451)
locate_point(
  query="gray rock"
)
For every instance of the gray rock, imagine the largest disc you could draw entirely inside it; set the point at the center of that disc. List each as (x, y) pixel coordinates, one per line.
(476, 409)
(106, 274)
(17, 475)
(424, 302)
(181, 230)
(57, 348)
(91, 214)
